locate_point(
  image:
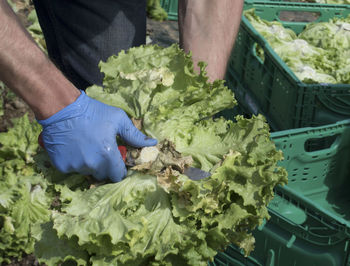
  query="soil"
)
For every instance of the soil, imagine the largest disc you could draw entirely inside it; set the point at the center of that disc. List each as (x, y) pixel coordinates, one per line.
(28, 260)
(163, 33)
(13, 107)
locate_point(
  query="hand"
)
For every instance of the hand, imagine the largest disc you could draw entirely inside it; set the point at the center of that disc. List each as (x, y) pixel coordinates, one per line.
(82, 138)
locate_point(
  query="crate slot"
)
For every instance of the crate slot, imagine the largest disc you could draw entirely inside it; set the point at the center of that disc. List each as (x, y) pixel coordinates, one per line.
(317, 144)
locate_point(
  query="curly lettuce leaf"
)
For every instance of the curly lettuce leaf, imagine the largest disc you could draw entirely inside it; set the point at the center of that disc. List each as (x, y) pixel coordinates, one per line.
(232, 202)
(342, 72)
(300, 56)
(155, 10)
(24, 200)
(161, 81)
(23, 204)
(35, 30)
(272, 31)
(130, 221)
(337, 44)
(337, 32)
(51, 250)
(21, 141)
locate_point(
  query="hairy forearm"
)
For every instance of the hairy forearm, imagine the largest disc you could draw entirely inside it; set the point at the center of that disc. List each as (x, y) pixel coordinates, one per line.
(208, 29)
(26, 70)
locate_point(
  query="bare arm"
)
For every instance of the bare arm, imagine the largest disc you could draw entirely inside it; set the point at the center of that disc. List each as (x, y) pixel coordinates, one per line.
(208, 28)
(26, 70)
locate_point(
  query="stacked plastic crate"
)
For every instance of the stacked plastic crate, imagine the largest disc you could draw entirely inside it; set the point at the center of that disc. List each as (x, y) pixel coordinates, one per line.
(310, 217)
(170, 6)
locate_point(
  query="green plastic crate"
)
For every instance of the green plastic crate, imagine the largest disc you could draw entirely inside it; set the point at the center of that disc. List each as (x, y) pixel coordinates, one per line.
(170, 6)
(270, 87)
(318, 165)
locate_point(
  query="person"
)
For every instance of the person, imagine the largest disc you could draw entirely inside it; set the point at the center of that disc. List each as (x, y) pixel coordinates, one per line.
(79, 133)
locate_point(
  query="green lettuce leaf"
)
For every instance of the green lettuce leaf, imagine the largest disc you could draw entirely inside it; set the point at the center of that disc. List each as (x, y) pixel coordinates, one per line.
(21, 141)
(337, 44)
(155, 10)
(22, 205)
(309, 75)
(24, 200)
(299, 53)
(35, 30)
(160, 80)
(337, 31)
(232, 202)
(130, 221)
(272, 31)
(315, 33)
(51, 250)
(342, 72)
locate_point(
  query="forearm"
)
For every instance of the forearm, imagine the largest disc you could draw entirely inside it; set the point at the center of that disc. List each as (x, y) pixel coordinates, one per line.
(26, 70)
(208, 29)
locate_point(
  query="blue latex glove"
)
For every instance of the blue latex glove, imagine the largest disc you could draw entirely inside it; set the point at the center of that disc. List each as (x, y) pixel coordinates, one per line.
(82, 138)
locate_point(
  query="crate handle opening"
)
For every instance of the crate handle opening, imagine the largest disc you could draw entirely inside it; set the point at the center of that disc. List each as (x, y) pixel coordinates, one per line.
(258, 53)
(322, 144)
(298, 16)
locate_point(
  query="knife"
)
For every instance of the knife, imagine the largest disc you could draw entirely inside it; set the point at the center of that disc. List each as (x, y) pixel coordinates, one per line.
(192, 172)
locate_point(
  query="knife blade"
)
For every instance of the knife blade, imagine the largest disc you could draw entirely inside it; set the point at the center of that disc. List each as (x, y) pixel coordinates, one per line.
(196, 173)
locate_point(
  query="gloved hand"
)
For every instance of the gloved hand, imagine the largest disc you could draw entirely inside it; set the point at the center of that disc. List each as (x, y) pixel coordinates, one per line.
(82, 138)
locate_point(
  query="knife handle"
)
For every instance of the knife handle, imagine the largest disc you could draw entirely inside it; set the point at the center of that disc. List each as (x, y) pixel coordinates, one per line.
(123, 151)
